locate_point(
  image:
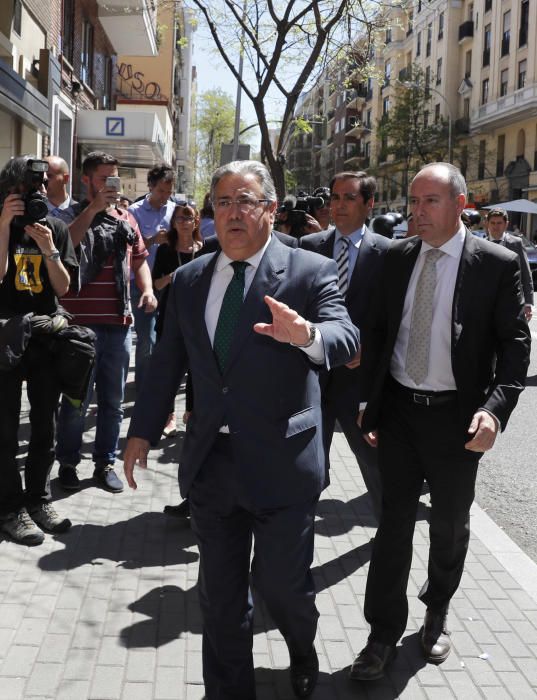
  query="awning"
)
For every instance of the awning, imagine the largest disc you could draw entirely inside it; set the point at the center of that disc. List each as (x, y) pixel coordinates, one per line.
(135, 138)
(522, 205)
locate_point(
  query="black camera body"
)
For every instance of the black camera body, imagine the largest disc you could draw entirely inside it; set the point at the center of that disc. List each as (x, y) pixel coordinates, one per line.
(35, 203)
(297, 208)
(385, 223)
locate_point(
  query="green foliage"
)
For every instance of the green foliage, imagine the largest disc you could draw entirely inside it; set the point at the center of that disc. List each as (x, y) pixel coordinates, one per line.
(215, 123)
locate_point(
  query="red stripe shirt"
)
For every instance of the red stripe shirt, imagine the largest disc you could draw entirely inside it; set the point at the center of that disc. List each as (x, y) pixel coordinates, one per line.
(98, 301)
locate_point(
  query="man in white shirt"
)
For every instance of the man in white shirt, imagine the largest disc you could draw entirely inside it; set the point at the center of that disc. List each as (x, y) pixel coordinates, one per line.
(444, 363)
(60, 204)
(256, 322)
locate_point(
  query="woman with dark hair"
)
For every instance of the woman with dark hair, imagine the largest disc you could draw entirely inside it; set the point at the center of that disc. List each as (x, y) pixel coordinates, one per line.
(207, 217)
(183, 244)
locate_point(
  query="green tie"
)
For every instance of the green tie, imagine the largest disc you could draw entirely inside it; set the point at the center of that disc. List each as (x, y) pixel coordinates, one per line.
(229, 314)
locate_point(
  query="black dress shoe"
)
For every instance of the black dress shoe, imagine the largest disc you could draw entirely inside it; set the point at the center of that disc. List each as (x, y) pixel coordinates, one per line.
(304, 672)
(180, 511)
(434, 635)
(371, 662)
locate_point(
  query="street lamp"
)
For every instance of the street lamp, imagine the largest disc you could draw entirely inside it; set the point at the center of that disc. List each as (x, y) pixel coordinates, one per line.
(409, 85)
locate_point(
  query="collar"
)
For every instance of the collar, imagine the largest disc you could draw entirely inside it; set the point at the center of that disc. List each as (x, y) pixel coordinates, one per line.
(355, 237)
(453, 247)
(502, 238)
(254, 260)
(146, 204)
(64, 205)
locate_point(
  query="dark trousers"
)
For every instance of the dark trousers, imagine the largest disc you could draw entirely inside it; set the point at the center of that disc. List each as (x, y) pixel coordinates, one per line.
(225, 525)
(366, 456)
(43, 395)
(415, 443)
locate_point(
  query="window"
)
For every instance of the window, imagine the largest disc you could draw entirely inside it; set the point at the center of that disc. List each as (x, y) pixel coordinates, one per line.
(504, 76)
(425, 119)
(387, 73)
(488, 5)
(427, 80)
(410, 24)
(439, 71)
(523, 32)
(436, 113)
(485, 91)
(481, 161)
(468, 64)
(429, 39)
(464, 160)
(418, 44)
(500, 151)
(368, 119)
(441, 25)
(17, 17)
(107, 92)
(385, 106)
(486, 45)
(419, 5)
(466, 108)
(506, 36)
(388, 35)
(522, 68)
(86, 53)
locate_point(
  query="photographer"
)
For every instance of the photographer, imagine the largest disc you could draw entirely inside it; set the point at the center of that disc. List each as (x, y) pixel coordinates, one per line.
(293, 217)
(36, 256)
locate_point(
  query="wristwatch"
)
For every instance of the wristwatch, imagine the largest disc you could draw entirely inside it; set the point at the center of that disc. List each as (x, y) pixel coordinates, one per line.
(310, 341)
(55, 255)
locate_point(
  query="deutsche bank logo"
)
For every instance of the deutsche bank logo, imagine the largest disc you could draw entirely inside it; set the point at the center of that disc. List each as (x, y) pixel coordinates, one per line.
(115, 126)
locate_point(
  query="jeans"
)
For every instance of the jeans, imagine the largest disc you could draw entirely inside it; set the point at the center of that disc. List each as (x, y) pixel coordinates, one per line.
(144, 325)
(108, 377)
(43, 394)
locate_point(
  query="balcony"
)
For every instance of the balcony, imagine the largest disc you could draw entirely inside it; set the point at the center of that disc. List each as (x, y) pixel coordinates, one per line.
(358, 98)
(466, 30)
(516, 106)
(462, 125)
(130, 26)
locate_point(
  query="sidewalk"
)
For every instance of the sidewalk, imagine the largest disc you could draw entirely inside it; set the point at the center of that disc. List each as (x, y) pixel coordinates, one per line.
(109, 610)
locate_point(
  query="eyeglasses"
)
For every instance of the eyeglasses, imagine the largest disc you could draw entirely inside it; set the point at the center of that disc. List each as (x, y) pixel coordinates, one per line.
(183, 219)
(245, 204)
(183, 202)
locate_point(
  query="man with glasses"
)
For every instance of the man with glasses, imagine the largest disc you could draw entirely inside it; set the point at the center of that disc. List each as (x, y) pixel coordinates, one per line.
(255, 323)
(359, 254)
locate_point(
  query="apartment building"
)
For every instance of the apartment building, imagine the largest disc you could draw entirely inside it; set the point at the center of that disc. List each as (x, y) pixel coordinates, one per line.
(479, 61)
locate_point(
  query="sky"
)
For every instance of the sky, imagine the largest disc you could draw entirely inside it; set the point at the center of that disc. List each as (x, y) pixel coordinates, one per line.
(213, 73)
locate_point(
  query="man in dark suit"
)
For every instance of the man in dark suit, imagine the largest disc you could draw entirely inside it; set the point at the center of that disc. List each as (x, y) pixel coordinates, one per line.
(496, 223)
(444, 363)
(352, 196)
(253, 460)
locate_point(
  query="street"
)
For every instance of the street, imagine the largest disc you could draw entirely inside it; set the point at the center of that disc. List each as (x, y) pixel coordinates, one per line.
(507, 477)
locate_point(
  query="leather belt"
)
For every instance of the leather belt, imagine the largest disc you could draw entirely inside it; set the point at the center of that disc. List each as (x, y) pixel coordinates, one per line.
(429, 399)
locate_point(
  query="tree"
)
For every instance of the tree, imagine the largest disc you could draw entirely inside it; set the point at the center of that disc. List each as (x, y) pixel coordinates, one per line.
(285, 45)
(215, 116)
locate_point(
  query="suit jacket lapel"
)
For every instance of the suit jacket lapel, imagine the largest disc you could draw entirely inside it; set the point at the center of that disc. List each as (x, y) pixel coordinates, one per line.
(200, 291)
(267, 278)
(465, 276)
(360, 269)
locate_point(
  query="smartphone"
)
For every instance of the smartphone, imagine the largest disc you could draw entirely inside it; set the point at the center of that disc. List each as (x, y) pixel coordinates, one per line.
(114, 183)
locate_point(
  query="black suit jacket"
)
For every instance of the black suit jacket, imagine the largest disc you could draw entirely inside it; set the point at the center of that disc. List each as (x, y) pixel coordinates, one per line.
(515, 244)
(342, 385)
(269, 395)
(490, 339)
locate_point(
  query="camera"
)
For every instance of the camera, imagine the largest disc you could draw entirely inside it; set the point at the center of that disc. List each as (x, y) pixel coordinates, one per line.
(114, 182)
(35, 203)
(385, 223)
(293, 211)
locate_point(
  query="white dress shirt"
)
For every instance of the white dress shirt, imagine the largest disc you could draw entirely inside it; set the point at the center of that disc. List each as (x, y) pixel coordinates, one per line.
(222, 275)
(440, 376)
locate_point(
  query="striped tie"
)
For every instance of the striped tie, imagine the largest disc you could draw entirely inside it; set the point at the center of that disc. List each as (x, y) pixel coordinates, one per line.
(343, 265)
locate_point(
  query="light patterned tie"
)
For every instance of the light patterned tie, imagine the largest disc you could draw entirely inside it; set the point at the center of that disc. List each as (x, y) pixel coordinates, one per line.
(229, 314)
(419, 339)
(343, 265)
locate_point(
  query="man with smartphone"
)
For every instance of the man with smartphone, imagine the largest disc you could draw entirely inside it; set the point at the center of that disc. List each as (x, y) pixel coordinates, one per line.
(108, 244)
(153, 214)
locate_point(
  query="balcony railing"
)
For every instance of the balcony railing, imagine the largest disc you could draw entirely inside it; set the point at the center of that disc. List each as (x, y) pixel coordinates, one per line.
(466, 30)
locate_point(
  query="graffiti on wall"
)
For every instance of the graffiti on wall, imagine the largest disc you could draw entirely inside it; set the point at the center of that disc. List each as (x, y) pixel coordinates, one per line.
(132, 84)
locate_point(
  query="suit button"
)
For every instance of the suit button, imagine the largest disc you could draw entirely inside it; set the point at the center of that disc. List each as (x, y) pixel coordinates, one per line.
(225, 390)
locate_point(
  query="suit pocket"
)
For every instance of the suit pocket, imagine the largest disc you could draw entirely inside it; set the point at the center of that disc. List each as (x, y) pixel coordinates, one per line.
(303, 420)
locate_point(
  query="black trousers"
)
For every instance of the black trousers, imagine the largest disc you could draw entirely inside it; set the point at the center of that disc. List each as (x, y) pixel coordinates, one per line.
(366, 456)
(226, 525)
(43, 395)
(417, 442)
